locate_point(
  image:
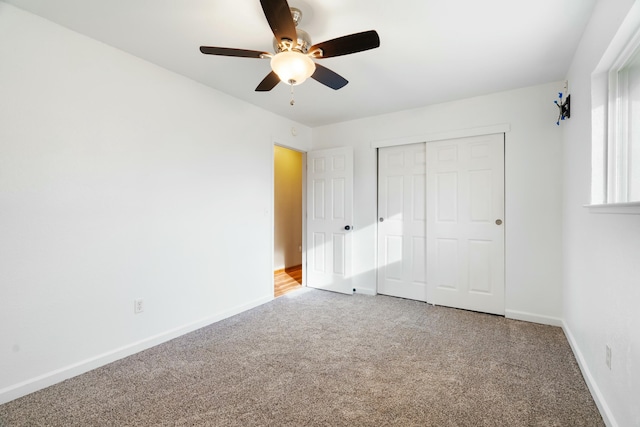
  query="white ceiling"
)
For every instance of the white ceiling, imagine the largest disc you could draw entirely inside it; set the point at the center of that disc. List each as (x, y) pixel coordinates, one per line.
(431, 50)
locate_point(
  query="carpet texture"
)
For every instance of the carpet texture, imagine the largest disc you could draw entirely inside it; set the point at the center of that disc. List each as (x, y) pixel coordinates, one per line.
(315, 358)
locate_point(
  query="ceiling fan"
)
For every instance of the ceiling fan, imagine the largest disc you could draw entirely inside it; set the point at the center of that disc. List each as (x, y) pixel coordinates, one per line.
(293, 61)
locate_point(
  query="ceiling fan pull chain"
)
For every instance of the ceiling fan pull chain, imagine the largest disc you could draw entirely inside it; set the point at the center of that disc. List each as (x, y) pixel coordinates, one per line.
(293, 101)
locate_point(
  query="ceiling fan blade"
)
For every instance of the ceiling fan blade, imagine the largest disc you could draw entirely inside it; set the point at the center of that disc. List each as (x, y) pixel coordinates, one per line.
(345, 45)
(226, 51)
(279, 18)
(329, 78)
(268, 82)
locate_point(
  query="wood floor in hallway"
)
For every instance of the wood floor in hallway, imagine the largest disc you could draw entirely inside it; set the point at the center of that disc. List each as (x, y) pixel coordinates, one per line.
(287, 280)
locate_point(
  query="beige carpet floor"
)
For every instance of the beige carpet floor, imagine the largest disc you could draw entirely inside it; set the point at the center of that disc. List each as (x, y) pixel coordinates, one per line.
(314, 358)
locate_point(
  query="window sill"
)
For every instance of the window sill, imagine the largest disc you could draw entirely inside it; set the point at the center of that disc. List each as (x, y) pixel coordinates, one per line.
(631, 208)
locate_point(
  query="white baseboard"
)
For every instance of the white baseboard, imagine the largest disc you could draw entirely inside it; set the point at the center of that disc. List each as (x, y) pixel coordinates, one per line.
(534, 318)
(31, 385)
(365, 291)
(604, 409)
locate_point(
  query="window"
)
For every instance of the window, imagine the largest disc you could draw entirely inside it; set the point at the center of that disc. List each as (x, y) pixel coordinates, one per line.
(623, 165)
(616, 121)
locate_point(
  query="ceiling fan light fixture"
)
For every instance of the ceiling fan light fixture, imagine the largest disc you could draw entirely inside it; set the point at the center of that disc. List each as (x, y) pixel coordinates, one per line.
(292, 67)
(293, 61)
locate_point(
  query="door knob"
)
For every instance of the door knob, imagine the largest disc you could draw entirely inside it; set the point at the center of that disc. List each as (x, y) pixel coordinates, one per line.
(498, 222)
(347, 227)
(381, 219)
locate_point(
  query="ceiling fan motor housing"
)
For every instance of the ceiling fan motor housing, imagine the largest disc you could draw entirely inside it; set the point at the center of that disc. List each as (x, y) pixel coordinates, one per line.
(304, 39)
(301, 45)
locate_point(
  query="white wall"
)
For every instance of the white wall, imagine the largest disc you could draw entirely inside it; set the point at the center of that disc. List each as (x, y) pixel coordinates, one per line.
(601, 251)
(287, 208)
(533, 187)
(121, 180)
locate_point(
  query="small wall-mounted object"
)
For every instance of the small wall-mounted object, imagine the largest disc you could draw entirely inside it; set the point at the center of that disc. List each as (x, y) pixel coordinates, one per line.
(564, 107)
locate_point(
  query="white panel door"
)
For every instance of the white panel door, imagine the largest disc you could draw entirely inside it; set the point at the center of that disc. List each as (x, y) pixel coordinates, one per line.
(465, 231)
(330, 219)
(401, 222)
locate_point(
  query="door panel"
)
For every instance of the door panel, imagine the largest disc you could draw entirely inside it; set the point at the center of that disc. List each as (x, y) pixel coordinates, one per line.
(401, 230)
(465, 244)
(330, 210)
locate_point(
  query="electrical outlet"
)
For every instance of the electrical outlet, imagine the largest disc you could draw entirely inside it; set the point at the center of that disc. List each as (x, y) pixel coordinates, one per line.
(138, 306)
(608, 357)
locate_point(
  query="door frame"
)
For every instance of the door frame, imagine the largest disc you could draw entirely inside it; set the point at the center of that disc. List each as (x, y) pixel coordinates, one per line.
(304, 239)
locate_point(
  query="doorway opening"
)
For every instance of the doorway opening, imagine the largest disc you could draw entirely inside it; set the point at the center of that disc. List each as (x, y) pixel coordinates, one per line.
(287, 220)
